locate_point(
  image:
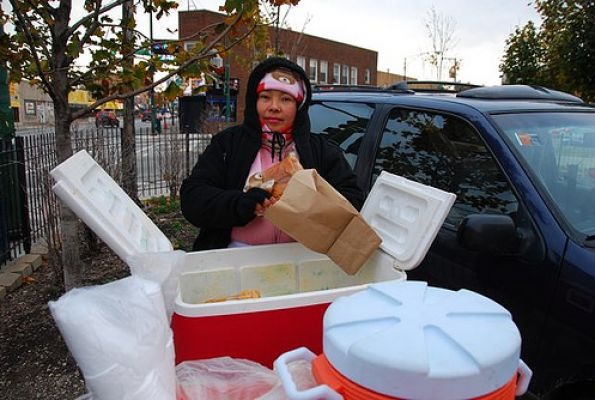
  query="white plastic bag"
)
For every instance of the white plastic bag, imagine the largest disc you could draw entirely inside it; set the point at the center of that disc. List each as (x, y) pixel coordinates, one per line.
(163, 268)
(119, 335)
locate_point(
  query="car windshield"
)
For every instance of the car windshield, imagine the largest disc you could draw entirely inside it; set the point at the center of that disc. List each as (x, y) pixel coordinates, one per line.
(558, 150)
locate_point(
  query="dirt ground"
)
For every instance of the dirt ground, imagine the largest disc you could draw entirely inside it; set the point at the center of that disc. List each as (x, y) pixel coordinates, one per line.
(34, 360)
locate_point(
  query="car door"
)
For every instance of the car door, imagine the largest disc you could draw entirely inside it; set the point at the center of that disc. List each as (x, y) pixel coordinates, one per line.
(447, 152)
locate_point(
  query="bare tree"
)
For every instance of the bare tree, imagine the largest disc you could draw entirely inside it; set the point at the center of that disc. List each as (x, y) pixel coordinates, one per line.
(441, 32)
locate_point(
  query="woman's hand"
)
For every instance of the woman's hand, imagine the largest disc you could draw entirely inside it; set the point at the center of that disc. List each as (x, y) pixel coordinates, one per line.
(261, 207)
(247, 203)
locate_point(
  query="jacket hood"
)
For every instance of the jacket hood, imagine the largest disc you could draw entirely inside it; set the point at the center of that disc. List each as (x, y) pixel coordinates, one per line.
(270, 64)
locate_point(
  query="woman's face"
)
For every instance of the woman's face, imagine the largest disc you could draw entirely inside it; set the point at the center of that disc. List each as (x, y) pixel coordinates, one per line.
(277, 109)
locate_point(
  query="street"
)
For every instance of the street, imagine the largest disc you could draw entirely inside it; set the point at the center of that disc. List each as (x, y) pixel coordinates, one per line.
(162, 158)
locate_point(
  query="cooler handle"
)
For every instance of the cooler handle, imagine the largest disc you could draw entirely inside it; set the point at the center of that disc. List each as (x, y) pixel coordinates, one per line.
(525, 375)
(320, 392)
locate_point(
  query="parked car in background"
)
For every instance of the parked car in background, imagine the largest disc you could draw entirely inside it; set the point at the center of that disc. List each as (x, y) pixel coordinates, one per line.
(106, 119)
(522, 229)
(145, 115)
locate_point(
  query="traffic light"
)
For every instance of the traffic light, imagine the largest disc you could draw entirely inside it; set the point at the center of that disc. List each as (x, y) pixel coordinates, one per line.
(165, 49)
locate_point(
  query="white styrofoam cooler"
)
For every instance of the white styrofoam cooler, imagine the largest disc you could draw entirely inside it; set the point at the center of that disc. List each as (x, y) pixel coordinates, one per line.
(297, 284)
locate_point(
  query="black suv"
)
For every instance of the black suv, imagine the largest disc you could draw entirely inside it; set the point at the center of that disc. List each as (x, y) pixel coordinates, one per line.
(521, 161)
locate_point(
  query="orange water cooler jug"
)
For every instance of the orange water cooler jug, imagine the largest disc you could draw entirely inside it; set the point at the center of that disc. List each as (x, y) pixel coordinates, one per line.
(408, 340)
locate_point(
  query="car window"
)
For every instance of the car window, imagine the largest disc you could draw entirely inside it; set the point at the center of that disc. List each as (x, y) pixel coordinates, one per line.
(558, 151)
(344, 123)
(445, 152)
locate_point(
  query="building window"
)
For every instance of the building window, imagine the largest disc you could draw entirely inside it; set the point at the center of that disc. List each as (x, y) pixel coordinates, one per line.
(301, 61)
(367, 78)
(336, 74)
(29, 107)
(323, 73)
(353, 76)
(345, 75)
(189, 45)
(313, 70)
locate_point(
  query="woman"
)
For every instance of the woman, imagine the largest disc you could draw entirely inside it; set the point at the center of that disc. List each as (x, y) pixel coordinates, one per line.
(276, 123)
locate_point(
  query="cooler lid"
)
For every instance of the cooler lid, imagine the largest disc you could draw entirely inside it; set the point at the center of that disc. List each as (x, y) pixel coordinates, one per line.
(409, 340)
(102, 204)
(407, 215)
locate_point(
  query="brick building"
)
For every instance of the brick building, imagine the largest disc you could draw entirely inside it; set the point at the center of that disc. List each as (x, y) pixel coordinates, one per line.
(385, 79)
(325, 61)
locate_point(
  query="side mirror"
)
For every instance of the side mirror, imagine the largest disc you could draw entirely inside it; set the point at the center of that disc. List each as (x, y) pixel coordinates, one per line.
(489, 233)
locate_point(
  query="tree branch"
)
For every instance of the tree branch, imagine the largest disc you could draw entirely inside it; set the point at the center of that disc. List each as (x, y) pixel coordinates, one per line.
(217, 39)
(78, 80)
(97, 12)
(93, 27)
(24, 28)
(209, 53)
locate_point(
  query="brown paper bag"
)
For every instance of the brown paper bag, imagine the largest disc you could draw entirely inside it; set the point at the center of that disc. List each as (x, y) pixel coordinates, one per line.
(316, 215)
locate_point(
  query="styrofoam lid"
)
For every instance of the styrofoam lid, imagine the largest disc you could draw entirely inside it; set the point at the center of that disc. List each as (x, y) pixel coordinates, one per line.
(407, 215)
(409, 340)
(102, 204)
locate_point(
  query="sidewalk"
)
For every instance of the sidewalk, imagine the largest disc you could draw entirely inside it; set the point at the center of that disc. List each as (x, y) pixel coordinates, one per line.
(13, 274)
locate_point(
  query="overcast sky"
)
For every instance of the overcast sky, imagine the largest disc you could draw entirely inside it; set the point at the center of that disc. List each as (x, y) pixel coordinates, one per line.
(395, 29)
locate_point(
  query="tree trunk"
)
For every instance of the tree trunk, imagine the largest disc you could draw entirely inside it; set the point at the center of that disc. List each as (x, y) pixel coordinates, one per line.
(128, 143)
(69, 223)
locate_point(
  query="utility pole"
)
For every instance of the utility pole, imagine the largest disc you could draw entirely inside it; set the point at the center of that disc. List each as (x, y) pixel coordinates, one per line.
(277, 31)
(452, 71)
(226, 84)
(152, 90)
(405, 69)
(6, 119)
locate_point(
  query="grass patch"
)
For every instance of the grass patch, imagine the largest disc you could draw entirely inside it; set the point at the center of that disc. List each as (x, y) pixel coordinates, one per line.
(166, 214)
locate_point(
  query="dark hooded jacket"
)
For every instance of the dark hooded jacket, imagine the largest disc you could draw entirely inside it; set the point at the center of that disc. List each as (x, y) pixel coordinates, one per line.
(212, 197)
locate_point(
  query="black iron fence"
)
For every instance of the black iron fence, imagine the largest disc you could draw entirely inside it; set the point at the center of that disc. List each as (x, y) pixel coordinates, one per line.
(28, 206)
(15, 234)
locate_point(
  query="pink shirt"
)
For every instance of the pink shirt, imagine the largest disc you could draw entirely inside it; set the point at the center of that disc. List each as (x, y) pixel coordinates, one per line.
(259, 230)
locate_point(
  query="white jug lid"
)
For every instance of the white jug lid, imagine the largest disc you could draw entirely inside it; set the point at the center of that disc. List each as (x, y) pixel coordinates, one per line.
(407, 215)
(409, 340)
(102, 204)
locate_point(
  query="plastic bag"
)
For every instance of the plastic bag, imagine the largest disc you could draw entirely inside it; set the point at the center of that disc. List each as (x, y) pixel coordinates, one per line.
(163, 268)
(223, 378)
(119, 335)
(226, 378)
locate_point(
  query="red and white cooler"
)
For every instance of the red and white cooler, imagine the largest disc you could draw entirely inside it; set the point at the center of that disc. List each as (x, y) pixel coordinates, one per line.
(407, 340)
(296, 284)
